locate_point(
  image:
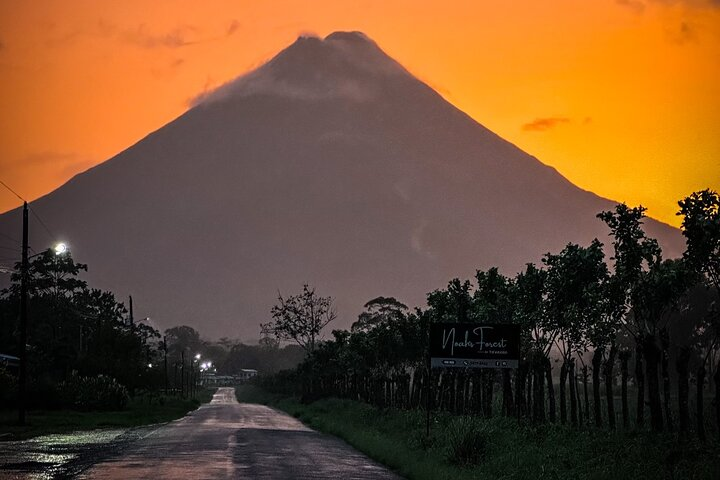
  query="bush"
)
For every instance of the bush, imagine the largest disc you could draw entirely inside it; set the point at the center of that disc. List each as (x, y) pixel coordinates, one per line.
(8, 388)
(467, 441)
(93, 393)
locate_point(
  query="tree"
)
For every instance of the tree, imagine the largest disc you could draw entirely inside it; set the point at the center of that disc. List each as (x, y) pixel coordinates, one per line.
(379, 311)
(300, 318)
(634, 254)
(574, 292)
(701, 228)
(74, 328)
(528, 300)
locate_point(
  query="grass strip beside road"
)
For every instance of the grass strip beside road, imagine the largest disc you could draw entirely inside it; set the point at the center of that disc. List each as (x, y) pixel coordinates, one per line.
(140, 411)
(464, 447)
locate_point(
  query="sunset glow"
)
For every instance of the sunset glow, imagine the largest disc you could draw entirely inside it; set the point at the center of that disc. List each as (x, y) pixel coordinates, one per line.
(620, 96)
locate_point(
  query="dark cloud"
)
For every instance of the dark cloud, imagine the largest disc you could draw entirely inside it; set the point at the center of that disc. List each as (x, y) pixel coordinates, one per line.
(542, 124)
(638, 6)
(60, 164)
(40, 159)
(233, 27)
(635, 5)
(176, 38)
(682, 34)
(167, 70)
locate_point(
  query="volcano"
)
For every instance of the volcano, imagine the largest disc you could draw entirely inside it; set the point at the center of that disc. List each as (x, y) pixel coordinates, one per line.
(329, 165)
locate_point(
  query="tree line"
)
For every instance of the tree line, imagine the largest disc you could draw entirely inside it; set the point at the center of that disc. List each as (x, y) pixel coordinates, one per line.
(634, 325)
(83, 342)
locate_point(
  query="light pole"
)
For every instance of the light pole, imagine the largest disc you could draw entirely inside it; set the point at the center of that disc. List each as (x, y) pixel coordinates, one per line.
(60, 248)
(193, 388)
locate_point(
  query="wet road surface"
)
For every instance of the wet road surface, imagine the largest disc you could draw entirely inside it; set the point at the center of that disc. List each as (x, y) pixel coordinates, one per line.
(60, 456)
(226, 439)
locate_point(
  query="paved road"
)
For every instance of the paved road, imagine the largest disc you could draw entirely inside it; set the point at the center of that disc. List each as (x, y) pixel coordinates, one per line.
(227, 439)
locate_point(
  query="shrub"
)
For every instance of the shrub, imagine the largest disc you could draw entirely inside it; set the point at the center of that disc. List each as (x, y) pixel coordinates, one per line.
(8, 388)
(467, 441)
(94, 393)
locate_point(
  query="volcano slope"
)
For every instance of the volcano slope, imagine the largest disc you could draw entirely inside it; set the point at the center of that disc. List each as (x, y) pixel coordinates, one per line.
(329, 165)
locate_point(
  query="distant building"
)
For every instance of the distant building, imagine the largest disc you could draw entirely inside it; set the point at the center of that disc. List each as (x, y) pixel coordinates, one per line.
(10, 363)
(246, 374)
(211, 380)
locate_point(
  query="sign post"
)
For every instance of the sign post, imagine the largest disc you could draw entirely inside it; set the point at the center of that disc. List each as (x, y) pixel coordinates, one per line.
(471, 345)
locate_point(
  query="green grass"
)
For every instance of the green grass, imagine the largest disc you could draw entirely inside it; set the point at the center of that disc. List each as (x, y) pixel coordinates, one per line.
(511, 450)
(140, 411)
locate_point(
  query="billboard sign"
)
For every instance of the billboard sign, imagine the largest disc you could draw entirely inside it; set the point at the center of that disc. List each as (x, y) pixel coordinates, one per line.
(472, 345)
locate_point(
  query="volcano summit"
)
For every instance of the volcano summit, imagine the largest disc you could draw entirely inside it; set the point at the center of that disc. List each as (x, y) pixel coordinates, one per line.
(329, 165)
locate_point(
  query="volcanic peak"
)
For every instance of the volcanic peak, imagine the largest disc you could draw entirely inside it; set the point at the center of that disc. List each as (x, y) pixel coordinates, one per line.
(344, 64)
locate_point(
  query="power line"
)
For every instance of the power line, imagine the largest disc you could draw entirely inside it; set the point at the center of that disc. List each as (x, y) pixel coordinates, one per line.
(14, 240)
(32, 210)
(12, 191)
(41, 222)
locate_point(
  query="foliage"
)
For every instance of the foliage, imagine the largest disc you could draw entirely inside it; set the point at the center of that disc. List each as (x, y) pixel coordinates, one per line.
(514, 450)
(701, 228)
(300, 318)
(574, 290)
(467, 441)
(73, 327)
(93, 393)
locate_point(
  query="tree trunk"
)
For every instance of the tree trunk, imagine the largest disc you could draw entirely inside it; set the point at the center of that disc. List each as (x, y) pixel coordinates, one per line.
(585, 391)
(489, 384)
(624, 358)
(665, 370)
(520, 375)
(652, 359)
(596, 363)
(640, 383)
(508, 404)
(681, 365)
(716, 377)
(455, 393)
(563, 399)
(700, 402)
(609, 395)
(538, 403)
(551, 390)
(573, 393)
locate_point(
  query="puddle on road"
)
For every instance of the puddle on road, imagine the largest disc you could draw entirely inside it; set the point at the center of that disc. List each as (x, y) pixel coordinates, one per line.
(60, 455)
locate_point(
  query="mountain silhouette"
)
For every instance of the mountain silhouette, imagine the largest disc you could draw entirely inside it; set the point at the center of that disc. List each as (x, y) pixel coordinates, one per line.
(329, 165)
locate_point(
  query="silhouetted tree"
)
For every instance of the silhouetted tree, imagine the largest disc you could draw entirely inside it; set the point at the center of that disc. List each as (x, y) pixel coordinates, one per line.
(701, 228)
(300, 318)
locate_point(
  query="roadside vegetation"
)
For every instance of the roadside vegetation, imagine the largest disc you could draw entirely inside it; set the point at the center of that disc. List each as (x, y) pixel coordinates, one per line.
(140, 410)
(619, 368)
(470, 447)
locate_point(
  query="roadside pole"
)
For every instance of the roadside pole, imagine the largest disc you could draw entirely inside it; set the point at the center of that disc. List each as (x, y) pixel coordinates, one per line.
(22, 378)
(165, 361)
(429, 387)
(182, 374)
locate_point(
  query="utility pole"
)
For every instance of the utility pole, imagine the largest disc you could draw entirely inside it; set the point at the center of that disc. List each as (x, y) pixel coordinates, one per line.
(132, 320)
(22, 380)
(165, 359)
(182, 374)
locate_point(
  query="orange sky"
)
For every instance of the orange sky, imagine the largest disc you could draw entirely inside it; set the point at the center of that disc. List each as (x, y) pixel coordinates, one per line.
(621, 96)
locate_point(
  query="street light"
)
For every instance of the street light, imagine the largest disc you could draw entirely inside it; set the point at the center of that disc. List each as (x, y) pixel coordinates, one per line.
(59, 249)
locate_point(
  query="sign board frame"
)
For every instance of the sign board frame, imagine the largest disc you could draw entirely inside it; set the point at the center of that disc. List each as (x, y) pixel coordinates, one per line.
(473, 345)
